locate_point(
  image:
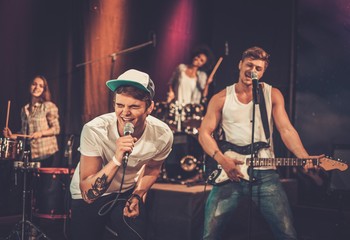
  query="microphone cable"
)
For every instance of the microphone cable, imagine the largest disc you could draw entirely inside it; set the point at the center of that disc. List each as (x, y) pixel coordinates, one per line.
(128, 130)
(132, 228)
(112, 202)
(101, 212)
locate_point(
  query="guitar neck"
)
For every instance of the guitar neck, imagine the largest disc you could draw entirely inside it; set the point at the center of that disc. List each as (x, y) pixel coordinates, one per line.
(263, 162)
(243, 153)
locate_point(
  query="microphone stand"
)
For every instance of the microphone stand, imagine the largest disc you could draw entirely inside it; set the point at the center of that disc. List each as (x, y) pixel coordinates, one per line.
(252, 151)
(68, 152)
(68, 155)
(114, 55)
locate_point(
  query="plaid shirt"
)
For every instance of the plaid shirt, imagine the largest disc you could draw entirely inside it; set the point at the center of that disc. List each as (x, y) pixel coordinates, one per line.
(42, 117)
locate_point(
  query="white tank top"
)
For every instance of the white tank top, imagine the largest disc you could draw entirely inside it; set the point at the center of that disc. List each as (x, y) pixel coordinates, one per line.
(187, 86)
(237, 117)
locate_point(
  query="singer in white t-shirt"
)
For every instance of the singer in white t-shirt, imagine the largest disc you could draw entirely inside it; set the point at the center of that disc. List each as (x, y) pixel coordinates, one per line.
(121, 157)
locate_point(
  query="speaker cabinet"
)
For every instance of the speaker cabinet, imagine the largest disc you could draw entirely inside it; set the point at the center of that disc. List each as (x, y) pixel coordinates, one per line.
(341, 180)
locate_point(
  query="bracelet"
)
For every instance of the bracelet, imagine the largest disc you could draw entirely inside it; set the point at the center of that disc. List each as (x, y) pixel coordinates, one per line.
(134, 195)
(215, 152)
(116, 161)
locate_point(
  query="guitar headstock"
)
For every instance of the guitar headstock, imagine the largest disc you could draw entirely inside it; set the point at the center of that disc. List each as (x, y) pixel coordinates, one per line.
(330, 164)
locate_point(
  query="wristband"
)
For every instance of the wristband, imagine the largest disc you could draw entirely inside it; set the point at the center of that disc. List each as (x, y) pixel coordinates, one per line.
(135, 196)
(116, 161)
(215, 152)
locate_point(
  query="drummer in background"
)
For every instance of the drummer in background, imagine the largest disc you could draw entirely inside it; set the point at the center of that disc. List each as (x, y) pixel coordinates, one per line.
(189, 82)
(40, 121)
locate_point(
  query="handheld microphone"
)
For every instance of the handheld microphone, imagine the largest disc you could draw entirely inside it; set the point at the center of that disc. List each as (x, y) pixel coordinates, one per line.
(254, 77)
(128, 130)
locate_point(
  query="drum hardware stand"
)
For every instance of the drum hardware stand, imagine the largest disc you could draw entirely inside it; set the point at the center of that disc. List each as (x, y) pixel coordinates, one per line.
(25, 226)
(68, 154)
(178, 115)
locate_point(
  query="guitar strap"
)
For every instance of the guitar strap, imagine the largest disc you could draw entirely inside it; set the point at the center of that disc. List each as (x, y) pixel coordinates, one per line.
(263, 113)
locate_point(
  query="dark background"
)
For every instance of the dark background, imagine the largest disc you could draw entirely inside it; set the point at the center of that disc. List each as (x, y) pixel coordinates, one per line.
(309, 44)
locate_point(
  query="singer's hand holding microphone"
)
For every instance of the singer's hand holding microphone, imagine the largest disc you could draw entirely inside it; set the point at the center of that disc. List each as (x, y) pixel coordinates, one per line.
(125, 145)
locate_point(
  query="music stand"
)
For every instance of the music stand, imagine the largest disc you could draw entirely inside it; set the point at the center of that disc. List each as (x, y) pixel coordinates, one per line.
(23, 228)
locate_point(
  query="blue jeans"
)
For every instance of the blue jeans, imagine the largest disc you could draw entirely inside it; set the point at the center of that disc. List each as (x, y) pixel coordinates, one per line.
(267, 193)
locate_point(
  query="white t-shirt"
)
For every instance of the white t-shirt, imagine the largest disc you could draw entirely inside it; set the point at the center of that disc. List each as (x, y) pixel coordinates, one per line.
(98, 138)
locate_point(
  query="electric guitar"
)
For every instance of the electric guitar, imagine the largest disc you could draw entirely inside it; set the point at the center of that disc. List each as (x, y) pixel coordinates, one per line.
(219, 177)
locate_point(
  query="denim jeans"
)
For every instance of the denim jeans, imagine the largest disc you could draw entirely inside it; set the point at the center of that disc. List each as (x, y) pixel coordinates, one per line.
(87, 224)
(267, 193)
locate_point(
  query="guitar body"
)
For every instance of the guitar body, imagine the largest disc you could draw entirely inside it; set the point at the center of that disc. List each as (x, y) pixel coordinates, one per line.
(217, 175)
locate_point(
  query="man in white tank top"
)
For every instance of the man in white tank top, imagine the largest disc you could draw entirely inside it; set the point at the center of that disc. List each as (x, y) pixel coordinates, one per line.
(232, 108)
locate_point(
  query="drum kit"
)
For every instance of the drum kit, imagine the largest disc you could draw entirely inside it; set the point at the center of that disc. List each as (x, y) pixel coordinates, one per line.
(180, 117)
(47, 188)
(184, 163)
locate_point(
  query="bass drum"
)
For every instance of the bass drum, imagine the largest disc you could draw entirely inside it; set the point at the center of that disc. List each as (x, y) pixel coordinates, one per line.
(11, 185)
(51, 192)
(185, 160)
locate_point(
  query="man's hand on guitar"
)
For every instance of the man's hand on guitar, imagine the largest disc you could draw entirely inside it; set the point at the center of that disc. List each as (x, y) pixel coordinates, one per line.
(232, 169)
(310, 164)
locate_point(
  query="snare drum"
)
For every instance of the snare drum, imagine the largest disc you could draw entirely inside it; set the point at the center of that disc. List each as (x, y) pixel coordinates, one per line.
(11, 148)
(51, 186)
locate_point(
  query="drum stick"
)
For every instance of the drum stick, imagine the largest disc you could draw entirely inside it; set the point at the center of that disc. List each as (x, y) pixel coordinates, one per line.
(8, 113)
(22, 135)
(216, 67)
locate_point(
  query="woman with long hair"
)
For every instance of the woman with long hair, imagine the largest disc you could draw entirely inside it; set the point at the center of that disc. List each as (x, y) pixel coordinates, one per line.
(189, 82)
(40, 123)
